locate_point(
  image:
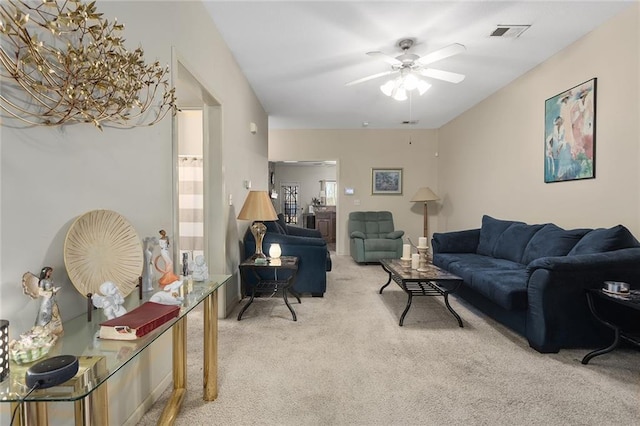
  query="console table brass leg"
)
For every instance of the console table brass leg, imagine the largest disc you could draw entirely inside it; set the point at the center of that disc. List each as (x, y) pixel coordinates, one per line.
(210, 367)
(172, 408)
(32, 414)
(94, 409)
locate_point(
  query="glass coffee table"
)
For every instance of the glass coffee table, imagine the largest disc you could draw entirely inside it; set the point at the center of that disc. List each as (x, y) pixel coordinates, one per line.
(430, 281)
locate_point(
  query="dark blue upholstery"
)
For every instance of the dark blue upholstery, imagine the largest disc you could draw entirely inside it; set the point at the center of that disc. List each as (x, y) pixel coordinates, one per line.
(307, 244)
(541, 295)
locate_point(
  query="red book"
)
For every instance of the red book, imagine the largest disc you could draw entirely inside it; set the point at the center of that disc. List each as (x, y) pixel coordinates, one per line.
(138, 322)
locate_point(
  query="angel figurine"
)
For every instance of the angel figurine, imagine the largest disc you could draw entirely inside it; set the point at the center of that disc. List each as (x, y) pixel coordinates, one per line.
(110, 300)
(42, 288)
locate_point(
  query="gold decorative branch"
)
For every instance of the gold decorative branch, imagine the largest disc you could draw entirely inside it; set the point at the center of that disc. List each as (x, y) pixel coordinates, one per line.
(62, 62)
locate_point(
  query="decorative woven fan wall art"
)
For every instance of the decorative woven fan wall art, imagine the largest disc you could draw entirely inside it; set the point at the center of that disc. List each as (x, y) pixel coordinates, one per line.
(101, 245)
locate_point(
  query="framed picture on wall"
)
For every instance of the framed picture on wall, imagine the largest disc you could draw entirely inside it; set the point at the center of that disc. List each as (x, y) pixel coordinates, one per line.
(570, 134)
(386, 181)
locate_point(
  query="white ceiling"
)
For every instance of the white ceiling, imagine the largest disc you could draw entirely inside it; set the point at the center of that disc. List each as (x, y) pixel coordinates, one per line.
(298, 55)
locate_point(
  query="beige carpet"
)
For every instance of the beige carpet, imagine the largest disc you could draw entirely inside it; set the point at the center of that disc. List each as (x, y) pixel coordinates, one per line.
(347, 362)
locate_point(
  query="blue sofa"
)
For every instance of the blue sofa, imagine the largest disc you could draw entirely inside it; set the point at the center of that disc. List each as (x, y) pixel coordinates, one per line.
(314, 260)
(533, 278)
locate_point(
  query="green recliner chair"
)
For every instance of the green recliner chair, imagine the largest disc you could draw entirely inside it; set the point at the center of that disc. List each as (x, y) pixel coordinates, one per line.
(372, 237)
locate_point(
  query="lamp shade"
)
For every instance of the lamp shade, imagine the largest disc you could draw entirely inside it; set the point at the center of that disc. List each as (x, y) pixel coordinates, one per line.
(425, 194)
(258, 206)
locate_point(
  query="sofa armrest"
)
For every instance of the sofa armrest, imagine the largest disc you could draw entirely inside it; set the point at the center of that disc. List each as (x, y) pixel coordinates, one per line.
(394, 235)
(558, 314)
(456, 242)
(589, 263)
(358, 234)
(303, 232)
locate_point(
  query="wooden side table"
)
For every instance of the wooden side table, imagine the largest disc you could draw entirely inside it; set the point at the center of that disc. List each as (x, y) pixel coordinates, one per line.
(621, 331)
(285, 266)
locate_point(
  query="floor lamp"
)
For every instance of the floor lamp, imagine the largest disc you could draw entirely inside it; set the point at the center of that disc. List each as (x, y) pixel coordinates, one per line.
(425, 194)
(258, 207)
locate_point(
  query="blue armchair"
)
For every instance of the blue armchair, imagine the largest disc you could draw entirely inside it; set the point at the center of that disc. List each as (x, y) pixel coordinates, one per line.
(314, 260)
(372, 237)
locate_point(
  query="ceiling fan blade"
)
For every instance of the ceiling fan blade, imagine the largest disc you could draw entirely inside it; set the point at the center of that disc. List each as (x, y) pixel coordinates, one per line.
(371, 77)
(451, 77)
(445, 52)
(388, 59)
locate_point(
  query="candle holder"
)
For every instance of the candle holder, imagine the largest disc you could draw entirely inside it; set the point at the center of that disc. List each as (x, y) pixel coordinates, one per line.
(423, 262)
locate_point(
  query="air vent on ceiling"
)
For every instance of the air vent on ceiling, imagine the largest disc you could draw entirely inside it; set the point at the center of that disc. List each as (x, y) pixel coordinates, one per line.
(509, 31)
(410, 122)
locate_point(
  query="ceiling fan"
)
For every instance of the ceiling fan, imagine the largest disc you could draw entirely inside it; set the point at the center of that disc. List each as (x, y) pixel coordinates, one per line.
(409, 64)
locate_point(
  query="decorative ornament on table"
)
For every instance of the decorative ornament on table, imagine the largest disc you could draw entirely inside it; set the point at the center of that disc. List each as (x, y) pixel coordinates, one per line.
(42, 287)
(168, 277)
(110, 300)
(199, 269)
(147, 269)
(169, 295)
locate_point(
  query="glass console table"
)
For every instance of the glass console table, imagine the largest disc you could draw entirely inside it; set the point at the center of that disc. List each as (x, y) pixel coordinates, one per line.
(100, 359)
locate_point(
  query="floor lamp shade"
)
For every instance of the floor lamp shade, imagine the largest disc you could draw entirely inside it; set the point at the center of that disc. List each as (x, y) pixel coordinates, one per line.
(258, 207)
(425, 194)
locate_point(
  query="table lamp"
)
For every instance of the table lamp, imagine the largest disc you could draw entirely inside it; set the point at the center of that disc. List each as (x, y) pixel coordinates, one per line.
(425, 194)
(257, 207)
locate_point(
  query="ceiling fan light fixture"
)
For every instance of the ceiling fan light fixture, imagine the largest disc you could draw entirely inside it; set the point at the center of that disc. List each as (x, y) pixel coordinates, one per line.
(388, 87)
(400, 95)
(411, 82)
(423, 86)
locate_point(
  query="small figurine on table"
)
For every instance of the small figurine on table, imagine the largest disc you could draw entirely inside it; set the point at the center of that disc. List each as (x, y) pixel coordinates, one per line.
(169, 295)
(199, 269)
(147, 269)
(42, 287)
(110, 300)
(168, 277)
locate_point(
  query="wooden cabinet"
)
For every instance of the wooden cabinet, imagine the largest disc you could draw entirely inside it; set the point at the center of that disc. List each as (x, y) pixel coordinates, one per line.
(326, 223)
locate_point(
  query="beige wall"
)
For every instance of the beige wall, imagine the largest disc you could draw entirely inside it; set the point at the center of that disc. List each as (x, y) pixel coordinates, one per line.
(50, 176)
(492, 156)
(357, 152)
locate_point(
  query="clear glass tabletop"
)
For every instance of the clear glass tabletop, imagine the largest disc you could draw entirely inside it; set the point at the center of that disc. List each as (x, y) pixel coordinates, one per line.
(99, 359)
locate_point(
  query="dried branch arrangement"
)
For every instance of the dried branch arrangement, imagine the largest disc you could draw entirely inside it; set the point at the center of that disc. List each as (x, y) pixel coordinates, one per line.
(62, 62)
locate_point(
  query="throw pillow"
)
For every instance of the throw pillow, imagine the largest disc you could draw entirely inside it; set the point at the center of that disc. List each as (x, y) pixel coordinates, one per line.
(490, 232)
(513, 241)
(602, 240)
(551, 240)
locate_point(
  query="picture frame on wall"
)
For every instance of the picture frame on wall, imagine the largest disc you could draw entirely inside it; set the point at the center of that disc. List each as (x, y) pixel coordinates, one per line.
(570, 134)
(386, 181)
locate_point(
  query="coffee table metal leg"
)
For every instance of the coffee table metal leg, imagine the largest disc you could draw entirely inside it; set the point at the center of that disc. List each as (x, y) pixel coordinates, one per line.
(455, 314)
(406, 309)
(244, 308)
(286, 301)
(388, 281)
(616, 330)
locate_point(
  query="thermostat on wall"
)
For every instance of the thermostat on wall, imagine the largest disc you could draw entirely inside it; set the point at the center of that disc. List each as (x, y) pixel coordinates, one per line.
(348, 191)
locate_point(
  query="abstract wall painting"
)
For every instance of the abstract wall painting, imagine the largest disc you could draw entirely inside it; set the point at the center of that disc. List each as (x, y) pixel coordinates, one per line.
(570, 134)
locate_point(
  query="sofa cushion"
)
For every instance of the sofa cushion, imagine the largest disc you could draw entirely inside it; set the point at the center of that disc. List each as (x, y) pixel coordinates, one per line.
(466, 264)
(490, 232)
(282, 223)
(551, 240)
(602, 240)
(514, 240)
(507, 288)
